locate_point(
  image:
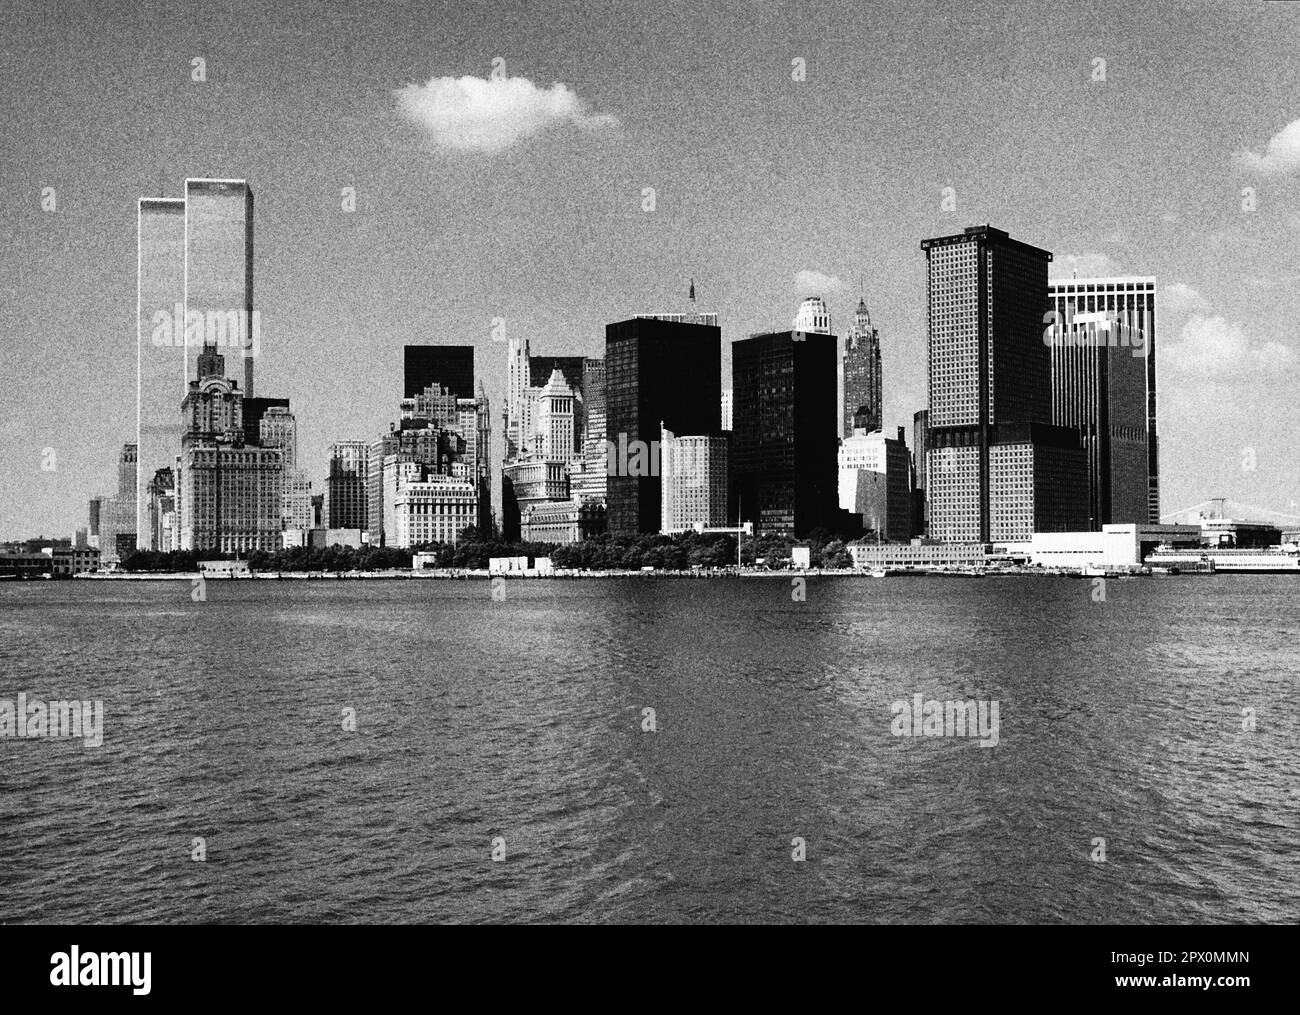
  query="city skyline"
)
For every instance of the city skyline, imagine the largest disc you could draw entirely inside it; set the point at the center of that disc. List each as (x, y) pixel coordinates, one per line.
(332, 331)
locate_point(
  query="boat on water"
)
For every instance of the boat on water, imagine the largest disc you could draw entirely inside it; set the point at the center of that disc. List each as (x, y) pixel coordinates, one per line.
(880, 573)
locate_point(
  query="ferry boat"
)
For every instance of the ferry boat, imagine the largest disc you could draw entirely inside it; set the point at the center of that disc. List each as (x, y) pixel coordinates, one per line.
(1216, 560)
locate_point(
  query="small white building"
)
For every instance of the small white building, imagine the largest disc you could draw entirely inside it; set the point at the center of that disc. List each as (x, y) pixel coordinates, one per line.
(1114, 546)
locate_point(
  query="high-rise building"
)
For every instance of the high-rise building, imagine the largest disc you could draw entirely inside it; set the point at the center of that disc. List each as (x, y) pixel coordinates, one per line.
(451, 366)
(517, 358)
(428, 507)
(786, 428)
(555, 410)
(997, 468)
(254, 409)
(416, 442)
(219, 275)
(344, 504)
(1103, 384)
(278, 428)
(96, 512)
(862, 379)
(162, 518)
(875, 480)
(920, 515)
(726, 409)
(118, 517)
(813, 317)
(160, 347)
(230, 492)
(657, 372)
(693, 470)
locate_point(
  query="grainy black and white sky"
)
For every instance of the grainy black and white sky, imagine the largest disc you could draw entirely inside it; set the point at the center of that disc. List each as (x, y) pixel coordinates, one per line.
(522, 199)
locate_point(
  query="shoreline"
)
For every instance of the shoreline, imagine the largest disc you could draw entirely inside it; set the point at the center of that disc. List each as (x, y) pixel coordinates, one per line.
(460, 575)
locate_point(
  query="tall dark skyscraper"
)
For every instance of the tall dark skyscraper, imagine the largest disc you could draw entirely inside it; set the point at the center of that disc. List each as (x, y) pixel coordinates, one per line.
(998, 470)
(785, 427)
(657, 372)
(426, 366)
(920, 431)
(862, 380)
(572, 367)
(1104, 383)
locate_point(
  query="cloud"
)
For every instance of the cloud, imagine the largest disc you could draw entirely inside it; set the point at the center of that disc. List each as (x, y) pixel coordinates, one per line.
(490, 114)
(1281, 154)
(1085, 265)
(1180, 299)
(1212, 347)
(815, 283)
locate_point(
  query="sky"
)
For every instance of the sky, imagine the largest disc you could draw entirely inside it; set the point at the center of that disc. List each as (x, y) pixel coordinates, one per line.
(501, 153)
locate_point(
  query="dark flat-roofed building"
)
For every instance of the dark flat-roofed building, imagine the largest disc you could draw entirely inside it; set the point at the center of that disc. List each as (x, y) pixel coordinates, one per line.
(425, 366)
(658, 372)
(785, 430)
(1104, 384)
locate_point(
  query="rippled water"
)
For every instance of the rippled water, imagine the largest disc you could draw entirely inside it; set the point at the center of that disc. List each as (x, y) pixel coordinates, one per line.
(522, 720)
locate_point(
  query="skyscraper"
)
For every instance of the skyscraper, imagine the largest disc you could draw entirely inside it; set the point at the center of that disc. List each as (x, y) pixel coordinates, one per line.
(785, 430)
(875, 481)
(813, 317)
(1104, 383)
(344, 504)
(219, 275)
(657, 372)
(694, 481)
(118, 514)
(862, 378)
(452, 366)
(160, 347)
(920, 510)
(997, 468)
(230, 492)
(278, 428)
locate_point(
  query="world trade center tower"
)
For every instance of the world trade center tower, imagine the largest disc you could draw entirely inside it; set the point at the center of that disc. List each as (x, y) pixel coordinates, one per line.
(219, 275)
(160, 347)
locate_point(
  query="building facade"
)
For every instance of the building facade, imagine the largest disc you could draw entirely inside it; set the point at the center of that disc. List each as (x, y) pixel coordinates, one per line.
(1102, 343)
(875, 481)
(344, 503)
(658, 372)
(990, 384)
(430, 508)
(813, 317)
(862, 375)
(785, 432)
(693, 470)
(562, 522)
(160, 348)
(219, 276)
(230, 492)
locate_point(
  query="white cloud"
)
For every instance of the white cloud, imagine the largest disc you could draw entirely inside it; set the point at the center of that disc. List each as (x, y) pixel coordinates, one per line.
(490, 114)
(1084, 265)
(1213, 347)
(816, 283)
(1180, 299)
(1281, 154)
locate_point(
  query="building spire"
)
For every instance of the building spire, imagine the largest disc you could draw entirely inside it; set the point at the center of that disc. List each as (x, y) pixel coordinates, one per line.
(692, 290)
